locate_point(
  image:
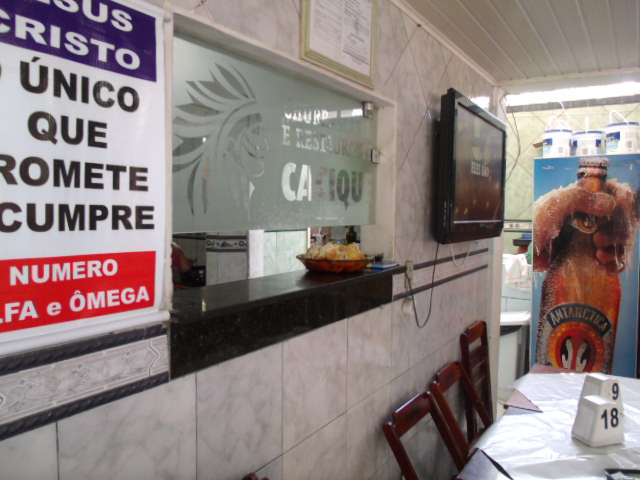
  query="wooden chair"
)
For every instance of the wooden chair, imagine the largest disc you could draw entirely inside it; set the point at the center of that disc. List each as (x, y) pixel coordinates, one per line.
(474, 348)
(446, 378)
(405, 418)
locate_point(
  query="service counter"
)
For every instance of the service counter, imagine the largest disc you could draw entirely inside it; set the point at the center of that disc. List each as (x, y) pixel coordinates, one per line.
(215, 323)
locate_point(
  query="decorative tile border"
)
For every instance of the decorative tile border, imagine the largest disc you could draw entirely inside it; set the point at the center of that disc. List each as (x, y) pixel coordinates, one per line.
(422, 281)
(46, 356)
(60, 412)
(232, 243)
(436, 283)
(54, 383)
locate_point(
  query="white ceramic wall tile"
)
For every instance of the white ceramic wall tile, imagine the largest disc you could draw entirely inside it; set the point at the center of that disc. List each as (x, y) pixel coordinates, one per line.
(451, 315)
(428, 452)
(423, 443)
(367, 449)
(419, 152)
(386, 472)
(256, 253)
(30, 456)
(521, 204)
(410, 26)
(398, 284)
(186, 4)
(411, 105)
(409, 220)
(393, 468)
(314, 381)
(430, 64)
(460, 76)
(31, 391)
(323, 456)
(445, 325)
(440, 89)
(417, 378)
(277, 27)
(273, 471)
(212, 268)
(400, 329)
(240, 415)
(290, 244)
(391, 42)
(150, 435)
(409, 383)
(369, 353)
(415, 442)
(482, 88)
(232, 266)
(409, 341)
(270, 253)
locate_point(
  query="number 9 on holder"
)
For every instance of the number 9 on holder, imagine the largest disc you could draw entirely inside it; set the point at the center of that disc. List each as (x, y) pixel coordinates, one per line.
(603, 385)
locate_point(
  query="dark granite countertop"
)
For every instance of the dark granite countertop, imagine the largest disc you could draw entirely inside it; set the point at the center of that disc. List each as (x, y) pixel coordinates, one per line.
(206, 303)
(215, 323)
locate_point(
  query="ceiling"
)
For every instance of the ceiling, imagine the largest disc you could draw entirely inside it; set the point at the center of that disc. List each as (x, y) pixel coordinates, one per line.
(526, 45)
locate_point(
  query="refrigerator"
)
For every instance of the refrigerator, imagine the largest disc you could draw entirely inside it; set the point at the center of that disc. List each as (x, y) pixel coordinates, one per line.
(586, 263)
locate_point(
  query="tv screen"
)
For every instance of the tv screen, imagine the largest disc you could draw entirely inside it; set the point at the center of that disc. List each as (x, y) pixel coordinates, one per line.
(470, 167)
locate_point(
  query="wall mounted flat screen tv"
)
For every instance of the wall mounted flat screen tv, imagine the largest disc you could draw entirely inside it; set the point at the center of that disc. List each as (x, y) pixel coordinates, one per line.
(470, 171)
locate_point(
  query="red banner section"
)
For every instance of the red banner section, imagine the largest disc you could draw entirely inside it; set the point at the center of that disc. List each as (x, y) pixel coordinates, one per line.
(44, 291)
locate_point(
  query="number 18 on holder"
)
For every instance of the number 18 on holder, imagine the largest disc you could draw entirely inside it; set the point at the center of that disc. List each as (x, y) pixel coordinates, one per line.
(599, 419)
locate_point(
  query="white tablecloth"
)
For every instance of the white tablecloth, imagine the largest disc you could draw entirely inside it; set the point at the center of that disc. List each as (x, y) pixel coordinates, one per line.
(539, 445)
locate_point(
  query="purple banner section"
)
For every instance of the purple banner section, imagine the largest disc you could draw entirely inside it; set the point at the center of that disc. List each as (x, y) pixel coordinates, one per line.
(99, 33)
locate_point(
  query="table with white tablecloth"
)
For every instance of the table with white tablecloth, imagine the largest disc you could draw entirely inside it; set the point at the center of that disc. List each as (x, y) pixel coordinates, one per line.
(538, 445)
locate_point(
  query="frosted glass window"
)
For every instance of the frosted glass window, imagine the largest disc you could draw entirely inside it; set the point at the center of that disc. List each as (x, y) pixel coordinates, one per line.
(258, 148)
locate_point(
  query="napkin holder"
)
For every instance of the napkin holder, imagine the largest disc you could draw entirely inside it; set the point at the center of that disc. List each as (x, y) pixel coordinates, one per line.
(603, 385)
(599, 418)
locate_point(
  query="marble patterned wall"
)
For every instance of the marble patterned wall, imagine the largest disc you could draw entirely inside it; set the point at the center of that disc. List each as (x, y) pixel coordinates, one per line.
(280, 250)
(311, 407)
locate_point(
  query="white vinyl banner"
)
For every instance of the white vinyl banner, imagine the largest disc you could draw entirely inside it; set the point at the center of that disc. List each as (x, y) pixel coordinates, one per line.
(82, 164)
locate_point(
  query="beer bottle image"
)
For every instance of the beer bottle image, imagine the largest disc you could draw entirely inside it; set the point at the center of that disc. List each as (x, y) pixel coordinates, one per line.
(581, 292)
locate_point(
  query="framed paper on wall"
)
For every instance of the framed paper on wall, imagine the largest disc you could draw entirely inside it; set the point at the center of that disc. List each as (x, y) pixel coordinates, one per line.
(340, 35)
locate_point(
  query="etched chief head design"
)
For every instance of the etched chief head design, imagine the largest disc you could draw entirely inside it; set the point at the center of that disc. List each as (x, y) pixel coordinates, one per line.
(219, 132)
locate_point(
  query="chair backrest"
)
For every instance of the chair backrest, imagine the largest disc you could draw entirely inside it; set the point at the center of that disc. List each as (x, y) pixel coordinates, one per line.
(474, 348)
(405, 418)
(446, 378)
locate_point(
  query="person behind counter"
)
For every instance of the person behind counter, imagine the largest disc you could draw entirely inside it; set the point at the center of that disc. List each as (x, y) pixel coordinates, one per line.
(180, 267)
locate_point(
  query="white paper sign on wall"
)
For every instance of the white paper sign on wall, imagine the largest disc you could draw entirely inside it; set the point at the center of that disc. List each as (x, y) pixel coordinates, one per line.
(82, 164)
